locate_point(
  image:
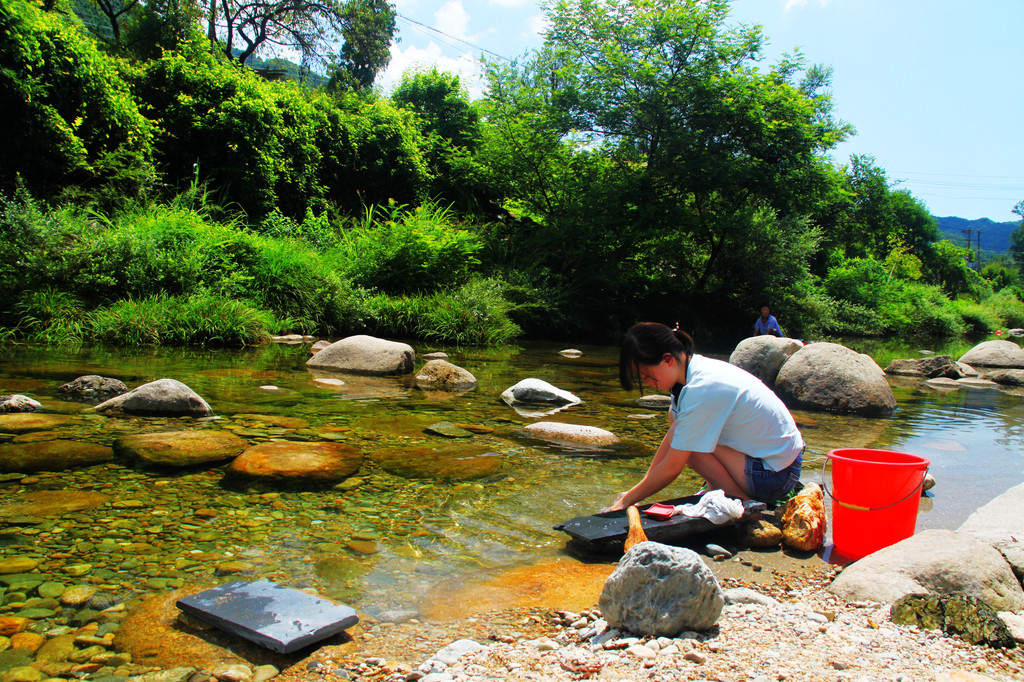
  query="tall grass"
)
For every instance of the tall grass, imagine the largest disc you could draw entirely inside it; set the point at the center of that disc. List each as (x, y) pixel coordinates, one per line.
(195, 320)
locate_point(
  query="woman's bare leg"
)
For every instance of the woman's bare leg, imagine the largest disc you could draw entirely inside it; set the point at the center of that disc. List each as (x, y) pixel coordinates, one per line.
(724, 468)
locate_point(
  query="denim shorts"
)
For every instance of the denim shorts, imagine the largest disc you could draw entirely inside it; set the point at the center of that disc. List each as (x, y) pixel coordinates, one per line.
(768, 486)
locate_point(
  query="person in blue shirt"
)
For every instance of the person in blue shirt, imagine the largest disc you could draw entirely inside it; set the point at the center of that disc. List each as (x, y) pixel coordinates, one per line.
(767, 324)
(724, 423)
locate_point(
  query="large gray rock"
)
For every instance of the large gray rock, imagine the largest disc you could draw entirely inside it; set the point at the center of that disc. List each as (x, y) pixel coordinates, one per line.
(180, 448)
(1000, 524)
(830, 377)
(91, 388)
(362, 354)
(764, 355)
(933, 367)
(160, 398)
(995, 354)
(932, 562)
(441, 375)
(660, 590)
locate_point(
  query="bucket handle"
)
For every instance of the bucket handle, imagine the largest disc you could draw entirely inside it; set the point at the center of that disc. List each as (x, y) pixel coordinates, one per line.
(857, 507)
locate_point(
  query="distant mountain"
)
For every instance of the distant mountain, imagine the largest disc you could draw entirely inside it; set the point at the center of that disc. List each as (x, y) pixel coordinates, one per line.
(995, 237)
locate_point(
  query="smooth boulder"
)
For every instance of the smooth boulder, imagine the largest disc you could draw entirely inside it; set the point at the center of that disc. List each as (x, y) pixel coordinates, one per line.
(1000, 524)
(1006, 377)
(446, 463)
(91, 388)
(932, 562)
(763, 356)
(160, 398)
(441, 375)
(660, 590)
(19, 403)
(180, 448)
(362, 354)
(829, 377)
(574, 434)
(999, 353)
(25, 422)
(294, 463)
(51, 455)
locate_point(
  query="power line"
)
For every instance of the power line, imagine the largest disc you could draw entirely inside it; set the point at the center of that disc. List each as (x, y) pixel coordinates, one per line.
(448, 35)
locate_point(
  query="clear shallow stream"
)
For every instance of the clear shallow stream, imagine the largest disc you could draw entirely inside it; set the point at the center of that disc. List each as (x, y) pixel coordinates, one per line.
(424, 512)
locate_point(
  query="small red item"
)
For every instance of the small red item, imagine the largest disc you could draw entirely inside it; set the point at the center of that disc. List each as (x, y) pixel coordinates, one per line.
(660, 511)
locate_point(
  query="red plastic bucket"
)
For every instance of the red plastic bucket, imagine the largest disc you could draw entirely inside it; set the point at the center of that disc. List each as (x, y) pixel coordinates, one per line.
(875, 496)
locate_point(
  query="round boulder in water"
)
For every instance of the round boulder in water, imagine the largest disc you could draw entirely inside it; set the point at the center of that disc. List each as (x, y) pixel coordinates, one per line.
(362, 354)
(571, 433)
(91, 388)
(441, 375)
(764, 355)
(995, 354)
(19, 403)
(180, 448)
(833, 378)
(453, 463)
(52, 455)
(294, 463)
(160, 398)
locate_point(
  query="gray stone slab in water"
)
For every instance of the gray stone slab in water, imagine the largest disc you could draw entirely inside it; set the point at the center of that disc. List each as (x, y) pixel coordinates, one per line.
(279, 618)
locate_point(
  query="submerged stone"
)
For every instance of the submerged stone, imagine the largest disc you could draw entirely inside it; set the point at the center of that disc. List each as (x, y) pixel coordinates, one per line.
(180, 448)
(27, 421)
(296, 463)
(448, 430)
(53, 455)
(451, 463)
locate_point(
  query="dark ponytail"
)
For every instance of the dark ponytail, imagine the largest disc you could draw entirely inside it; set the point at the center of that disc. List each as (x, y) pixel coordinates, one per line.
(646, 344)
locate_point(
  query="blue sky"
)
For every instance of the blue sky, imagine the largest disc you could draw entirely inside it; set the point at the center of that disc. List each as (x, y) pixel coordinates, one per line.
(935, 88)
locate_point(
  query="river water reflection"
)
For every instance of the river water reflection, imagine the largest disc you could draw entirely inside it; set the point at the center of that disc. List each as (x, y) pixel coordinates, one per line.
(423, 509)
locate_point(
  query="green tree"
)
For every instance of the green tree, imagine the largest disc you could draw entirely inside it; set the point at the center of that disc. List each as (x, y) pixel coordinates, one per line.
(695, 142)
(1017, 237)
(368, 27)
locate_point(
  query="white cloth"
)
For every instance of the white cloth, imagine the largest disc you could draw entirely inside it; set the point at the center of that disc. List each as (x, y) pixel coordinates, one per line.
(713, 506)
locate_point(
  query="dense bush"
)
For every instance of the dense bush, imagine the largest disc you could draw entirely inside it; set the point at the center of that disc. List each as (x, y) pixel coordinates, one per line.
(273, 146)
(69, 118)
(401, 250)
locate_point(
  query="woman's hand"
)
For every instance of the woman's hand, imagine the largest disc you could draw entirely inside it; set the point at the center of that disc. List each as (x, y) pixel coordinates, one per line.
(619, 503)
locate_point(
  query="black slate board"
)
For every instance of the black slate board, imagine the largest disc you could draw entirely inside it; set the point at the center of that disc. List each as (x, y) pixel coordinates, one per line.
(278, 618)
(607, 531)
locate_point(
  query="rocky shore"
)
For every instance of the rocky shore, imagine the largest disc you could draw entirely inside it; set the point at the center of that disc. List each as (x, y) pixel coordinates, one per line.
(783, 626)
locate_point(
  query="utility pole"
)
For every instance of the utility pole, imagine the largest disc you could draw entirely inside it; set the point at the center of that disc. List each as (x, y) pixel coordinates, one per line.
(968, 232)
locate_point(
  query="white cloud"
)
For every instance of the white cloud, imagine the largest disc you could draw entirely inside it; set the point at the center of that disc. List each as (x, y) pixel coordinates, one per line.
(801, 4)
(537, 25)
(466, 66)
(453, 19)
(510, 3)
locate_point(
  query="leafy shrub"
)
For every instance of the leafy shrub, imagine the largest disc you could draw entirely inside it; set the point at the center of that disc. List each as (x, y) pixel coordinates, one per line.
(978, 318)
(403, 250)
(1008, 307)
(273, 146)
(475, 313)
(77, 122)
